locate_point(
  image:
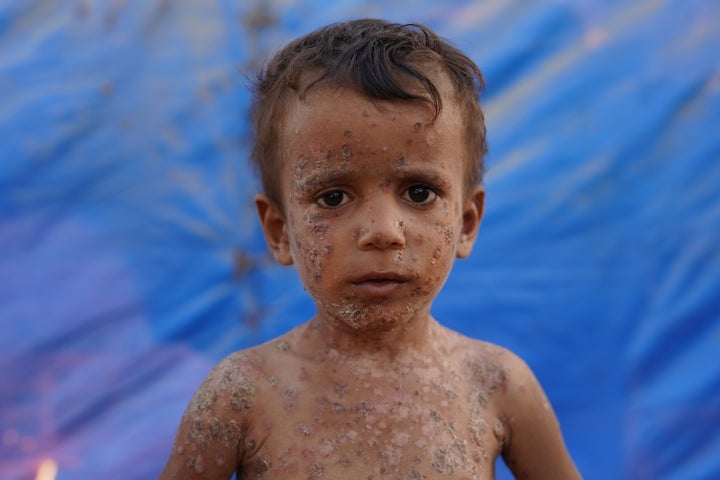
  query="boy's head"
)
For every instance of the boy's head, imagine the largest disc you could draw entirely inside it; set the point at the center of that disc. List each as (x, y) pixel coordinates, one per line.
(383, 61)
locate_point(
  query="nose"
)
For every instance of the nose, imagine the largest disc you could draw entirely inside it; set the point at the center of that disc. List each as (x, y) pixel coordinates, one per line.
(381, 227)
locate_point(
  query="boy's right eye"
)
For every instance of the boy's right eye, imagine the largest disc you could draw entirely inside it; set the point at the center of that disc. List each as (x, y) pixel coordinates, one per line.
(332, 199)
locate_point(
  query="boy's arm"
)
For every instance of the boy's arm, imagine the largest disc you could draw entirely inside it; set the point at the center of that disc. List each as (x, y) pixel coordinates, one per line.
(213, 430)
(534, 447)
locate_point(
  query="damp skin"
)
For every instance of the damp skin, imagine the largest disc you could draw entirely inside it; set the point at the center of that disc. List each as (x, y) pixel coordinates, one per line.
(375, 212)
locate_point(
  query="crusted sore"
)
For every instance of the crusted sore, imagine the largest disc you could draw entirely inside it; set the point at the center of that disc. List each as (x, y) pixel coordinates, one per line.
(214, 424)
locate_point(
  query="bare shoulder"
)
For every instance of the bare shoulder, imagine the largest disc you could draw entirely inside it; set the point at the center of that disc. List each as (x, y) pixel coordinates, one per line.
(213, 435)
(533, 447)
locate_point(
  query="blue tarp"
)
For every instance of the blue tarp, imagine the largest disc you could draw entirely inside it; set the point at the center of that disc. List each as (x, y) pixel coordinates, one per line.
(131, 260)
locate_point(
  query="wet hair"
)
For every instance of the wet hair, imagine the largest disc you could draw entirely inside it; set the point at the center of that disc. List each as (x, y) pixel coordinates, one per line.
(381, 60)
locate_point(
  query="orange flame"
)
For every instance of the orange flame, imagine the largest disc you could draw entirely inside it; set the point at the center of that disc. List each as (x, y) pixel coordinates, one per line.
(47, 470)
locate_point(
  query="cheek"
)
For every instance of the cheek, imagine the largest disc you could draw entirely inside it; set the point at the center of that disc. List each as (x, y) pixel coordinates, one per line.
(447, 232)
(442, 240)
(449, 228)
(312, 250)
(433, 252)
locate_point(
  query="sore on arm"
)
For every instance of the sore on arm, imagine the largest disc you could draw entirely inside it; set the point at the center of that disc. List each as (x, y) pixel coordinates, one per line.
(210, 438)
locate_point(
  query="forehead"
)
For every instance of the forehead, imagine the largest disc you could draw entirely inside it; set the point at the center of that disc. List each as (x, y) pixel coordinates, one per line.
(338, 122)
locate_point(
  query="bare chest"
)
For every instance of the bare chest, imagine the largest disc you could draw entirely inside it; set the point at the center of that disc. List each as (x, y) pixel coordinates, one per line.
(373, 430)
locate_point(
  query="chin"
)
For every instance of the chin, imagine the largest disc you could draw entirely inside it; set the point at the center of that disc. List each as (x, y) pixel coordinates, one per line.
(368, 318)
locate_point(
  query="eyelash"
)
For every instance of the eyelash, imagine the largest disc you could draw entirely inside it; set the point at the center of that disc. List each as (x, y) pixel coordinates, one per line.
(432, 195)
(322, 198)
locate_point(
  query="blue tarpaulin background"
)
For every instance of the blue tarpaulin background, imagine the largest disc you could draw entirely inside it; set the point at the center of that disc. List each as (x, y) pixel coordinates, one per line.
(131, 260)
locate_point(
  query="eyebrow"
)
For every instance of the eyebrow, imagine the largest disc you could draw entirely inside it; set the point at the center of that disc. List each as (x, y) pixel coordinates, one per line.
(421, 174)
(428, 175)
(324, 179)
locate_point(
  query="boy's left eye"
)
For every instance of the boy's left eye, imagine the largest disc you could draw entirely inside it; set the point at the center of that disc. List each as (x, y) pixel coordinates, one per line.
(420, 194)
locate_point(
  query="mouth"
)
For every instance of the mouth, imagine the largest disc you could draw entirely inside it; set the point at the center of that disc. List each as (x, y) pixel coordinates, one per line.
(379, 283)
(380, 277)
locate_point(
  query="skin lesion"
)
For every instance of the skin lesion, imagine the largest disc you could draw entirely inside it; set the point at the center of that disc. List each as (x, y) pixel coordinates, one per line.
(215, 432)
(487, 376)
(425, 432)
(206, 442)
(320, 417)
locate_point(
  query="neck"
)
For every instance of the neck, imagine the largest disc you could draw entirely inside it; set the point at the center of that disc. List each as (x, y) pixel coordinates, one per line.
(334, 337)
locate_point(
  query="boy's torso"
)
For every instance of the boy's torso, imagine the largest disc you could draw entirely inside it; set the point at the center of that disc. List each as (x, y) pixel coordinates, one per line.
(330, 417)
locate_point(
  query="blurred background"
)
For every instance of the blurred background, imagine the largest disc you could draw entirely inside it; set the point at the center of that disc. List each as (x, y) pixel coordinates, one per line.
(131, 260)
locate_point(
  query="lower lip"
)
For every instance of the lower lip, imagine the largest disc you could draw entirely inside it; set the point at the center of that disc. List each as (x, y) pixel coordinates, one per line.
(379, 289)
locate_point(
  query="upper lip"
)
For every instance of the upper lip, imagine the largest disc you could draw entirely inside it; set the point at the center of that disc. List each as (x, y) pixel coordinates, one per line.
(380, 276)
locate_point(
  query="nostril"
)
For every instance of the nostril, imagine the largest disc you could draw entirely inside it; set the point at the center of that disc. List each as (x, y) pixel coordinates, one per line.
(380, 231)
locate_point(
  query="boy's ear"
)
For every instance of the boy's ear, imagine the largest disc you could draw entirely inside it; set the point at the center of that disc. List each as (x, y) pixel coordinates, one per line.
(274, 228)
(472, 216)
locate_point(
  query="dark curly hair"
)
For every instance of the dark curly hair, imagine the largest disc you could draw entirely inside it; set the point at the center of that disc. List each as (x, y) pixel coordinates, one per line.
(382, 60)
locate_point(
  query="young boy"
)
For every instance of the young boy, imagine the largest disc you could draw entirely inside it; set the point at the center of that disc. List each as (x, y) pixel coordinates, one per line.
(369, 142)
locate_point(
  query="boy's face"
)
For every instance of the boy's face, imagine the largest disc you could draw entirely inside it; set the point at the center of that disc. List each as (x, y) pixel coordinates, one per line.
(375, 207)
